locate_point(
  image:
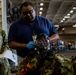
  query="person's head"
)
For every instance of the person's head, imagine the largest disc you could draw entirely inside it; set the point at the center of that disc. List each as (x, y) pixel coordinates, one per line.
(27, 12)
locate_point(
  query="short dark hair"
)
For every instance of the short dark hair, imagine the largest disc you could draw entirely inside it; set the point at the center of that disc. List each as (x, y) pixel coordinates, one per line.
(26, 3)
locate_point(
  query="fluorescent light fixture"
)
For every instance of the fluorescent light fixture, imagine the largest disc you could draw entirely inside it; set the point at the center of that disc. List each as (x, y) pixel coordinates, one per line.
(40, 13)
(74, 7)
(67, 16)
(71, 11)
(41, 4)
(61, 21)
(74, 25)
(56, 25)
(63, 18)
(41, 8)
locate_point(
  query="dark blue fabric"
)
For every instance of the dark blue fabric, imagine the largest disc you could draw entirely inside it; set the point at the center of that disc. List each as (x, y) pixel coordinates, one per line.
(22, 32)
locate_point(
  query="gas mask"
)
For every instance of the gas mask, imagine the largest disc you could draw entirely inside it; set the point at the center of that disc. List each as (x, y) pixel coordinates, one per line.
(43, 42)
(42, 45)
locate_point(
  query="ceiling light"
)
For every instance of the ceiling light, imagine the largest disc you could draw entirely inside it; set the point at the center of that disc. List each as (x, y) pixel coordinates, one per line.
(40, 13)
(41, 4)
(74, 7)
(71, 11)
(67, 16)
(56, 25)
(61, 21)
(74, 25)
(41, 8)
(63, 18)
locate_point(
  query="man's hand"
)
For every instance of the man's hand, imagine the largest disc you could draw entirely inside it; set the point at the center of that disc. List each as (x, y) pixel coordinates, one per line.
(30, 45)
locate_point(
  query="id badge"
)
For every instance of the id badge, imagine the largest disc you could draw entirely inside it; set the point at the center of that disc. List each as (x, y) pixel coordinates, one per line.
(34, 38)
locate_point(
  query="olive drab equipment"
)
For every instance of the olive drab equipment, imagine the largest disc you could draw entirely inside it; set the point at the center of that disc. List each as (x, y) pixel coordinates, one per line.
(42, 61)
(4, 64)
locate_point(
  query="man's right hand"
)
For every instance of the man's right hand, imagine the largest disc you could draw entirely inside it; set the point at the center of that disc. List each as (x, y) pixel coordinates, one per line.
(30, 45)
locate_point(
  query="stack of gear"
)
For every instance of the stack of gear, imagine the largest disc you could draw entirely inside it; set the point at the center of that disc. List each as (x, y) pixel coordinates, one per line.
(4, 64)
(41, 61)
(3, 43)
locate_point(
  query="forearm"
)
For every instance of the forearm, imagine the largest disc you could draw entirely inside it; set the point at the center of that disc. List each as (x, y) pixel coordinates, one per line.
(16, 45)
(54, 38)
